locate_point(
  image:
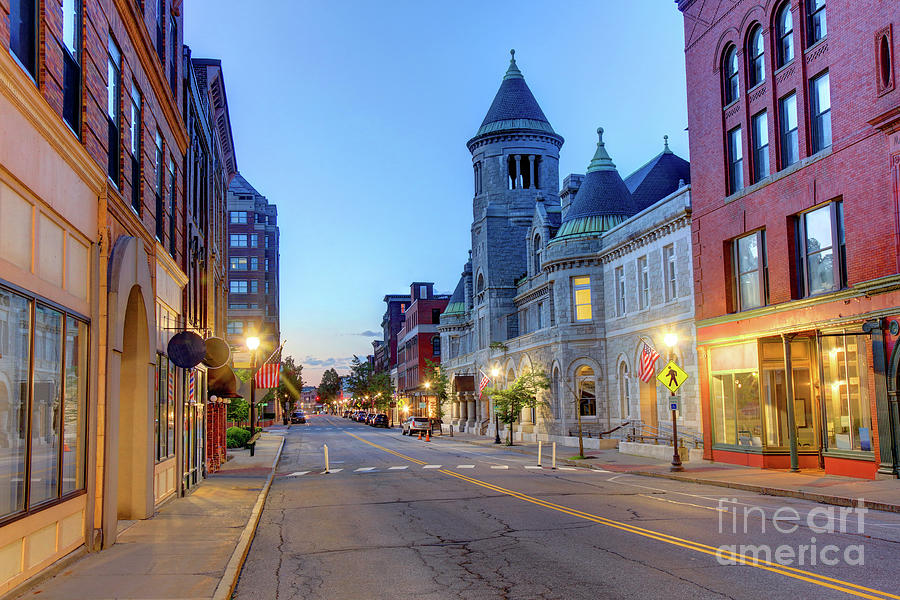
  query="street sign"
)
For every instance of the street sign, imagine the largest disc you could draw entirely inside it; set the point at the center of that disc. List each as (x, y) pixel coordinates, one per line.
(673, 405)
(672, 376)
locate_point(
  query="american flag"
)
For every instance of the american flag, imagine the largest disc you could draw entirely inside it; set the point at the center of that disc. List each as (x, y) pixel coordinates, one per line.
(267, 375)
(483, 384)
(648, 363)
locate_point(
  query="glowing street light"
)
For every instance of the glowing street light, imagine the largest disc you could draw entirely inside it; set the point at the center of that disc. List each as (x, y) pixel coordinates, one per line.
(252, 344)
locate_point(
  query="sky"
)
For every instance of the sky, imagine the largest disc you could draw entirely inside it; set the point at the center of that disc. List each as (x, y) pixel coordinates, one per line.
(353, 116)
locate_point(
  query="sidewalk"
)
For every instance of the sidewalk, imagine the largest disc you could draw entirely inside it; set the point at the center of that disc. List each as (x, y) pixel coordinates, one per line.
(192, 548)
(809, 485)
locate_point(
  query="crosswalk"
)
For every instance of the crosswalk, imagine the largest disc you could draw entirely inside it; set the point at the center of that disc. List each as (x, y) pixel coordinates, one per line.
(395, 468)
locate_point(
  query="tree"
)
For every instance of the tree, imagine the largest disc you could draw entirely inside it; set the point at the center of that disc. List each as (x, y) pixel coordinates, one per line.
(330, 387)
(521, 394)
(381, 388)
(440, 386)
(238, 410)
(290, 382)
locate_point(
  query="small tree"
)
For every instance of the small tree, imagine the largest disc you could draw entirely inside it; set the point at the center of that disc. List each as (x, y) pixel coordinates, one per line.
(521, 394)
(440, 386)
(380, 387)
(330, 387)
(238, 410)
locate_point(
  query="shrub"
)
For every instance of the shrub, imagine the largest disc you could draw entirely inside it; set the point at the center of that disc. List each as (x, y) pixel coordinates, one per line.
(236, 437)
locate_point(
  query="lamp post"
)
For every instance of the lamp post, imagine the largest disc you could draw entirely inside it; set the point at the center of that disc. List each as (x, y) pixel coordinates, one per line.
(494, 373)
(252, 345)
(670, 339)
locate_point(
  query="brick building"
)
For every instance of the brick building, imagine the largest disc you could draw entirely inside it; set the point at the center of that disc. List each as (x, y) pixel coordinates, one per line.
(97, 234)
(418, 341)
(794, 117)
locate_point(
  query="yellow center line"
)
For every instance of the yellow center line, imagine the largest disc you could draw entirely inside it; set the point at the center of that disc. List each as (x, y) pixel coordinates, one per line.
(814, 578)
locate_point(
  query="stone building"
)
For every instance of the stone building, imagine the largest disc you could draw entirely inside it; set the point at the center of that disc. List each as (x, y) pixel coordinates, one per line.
(794, 114)
(536, 291)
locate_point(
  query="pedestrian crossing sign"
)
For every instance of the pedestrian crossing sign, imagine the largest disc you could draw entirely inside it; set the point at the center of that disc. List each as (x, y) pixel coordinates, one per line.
(672, 376)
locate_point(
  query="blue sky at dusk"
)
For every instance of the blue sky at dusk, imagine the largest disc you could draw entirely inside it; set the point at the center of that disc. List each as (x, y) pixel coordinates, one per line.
(353, 116)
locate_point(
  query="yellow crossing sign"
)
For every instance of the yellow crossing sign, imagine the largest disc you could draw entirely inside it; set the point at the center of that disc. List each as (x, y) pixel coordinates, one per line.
(672, 376)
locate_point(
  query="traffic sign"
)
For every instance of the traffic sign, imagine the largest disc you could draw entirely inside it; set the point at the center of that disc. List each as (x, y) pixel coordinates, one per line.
(672, 376)
(673, 405)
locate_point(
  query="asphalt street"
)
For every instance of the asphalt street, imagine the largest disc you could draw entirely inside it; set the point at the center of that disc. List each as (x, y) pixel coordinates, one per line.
(399, 517)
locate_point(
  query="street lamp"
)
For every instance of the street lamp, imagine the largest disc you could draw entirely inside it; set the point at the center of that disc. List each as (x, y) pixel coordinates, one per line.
(252, 344)
(494, 373)
(670, 339)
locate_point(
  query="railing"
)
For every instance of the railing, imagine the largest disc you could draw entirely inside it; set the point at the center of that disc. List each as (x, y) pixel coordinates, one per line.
(643, 433)
(591, 430)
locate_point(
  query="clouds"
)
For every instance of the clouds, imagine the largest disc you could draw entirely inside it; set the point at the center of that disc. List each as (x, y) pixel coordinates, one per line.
(327, 363)
(369, 333)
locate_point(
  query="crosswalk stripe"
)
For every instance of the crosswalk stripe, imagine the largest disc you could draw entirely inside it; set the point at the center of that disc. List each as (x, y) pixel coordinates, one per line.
(465, 466)
(364, 469)
(398, 468)
(432, 467)
(332, 471)
(532, 467)
(298, 473)
(499, 466)
(568, 469)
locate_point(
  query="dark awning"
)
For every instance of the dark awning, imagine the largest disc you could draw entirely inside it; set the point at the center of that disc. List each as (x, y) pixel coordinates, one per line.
(223, 382)
(464, 383)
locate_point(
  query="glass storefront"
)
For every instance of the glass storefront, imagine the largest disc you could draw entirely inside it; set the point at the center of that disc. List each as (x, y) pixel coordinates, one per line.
(43, 396)
(749, 399)
(193, 431)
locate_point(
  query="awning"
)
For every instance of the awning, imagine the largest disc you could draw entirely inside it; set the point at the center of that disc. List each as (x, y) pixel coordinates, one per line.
(464, 383)
(223, 382)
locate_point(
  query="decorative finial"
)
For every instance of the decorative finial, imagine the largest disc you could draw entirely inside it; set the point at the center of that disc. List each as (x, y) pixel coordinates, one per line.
(666, 143)
(512, 53)
(513, 71)
(600, 135)
(601, 160)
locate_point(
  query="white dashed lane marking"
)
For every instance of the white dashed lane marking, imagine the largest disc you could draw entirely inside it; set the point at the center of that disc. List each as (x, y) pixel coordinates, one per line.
(465, 466)
(499, 466)
(398, 468)
(298, 473)
(432, 467)
(532, 467)
(364, 469)
(331, 471)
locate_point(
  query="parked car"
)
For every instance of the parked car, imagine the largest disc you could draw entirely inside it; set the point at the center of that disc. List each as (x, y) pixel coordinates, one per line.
(380, 420)
(298, 417)
(346, 414)
(414, 425)
(361, 416)
(369, 418)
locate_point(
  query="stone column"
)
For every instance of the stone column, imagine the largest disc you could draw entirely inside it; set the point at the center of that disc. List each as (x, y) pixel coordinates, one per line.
(518, 183)
(531, 170)
(471, 409)
(463, 412)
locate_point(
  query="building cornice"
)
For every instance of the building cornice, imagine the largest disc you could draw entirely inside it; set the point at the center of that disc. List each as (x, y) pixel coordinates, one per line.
(170, 266)
(572, 262)
(523, 135)
(630, 245)
(21, 92)
(534, 294)
(143, 46)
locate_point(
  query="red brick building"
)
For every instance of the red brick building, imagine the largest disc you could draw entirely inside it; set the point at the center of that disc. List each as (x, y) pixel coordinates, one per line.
(418, 341)
(794, 117)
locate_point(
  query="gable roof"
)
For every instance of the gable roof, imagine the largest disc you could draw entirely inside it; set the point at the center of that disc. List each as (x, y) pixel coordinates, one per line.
(658, 178)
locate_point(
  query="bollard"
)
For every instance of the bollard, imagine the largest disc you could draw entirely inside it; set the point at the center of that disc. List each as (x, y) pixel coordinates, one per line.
(554, 455)
(325, 447)
(539, 452)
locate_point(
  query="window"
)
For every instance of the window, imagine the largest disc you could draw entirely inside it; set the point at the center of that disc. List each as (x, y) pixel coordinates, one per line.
(113, 118)
(238, 286)
(480, 287)
(669, 272)
(23, 36)
(267, 242)
(885, 70)
(750, 271)
(730, 72)
(253, 240)
(536, 253)
(848, 419)
(160, 186)
(254, 286)
(784, 32)
(756, 50)
(815, 14)
(238, 217)
(136, 148)
(235, 327)
(624, 395)
(173, 208)
(760, 124)
(789, 142)
(581, 287)
(436, 346)
(238, 240)
(72, 64)
(42, 454)
(586, 386)
(255, 266)
(620, 291)
(540, 315)
(165, 408)
(734, 395)
(820, 239)
(643, 281)
(176, 55)
(435, 315)
(160, 31)
(238, 263)
(735, 161)
(820, 111)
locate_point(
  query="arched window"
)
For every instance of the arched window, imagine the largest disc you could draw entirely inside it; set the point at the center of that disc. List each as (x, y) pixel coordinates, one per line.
(815, 14)
(557, 401)
(624, 396)
(784, 34)
(480, 287)
(757, 53)
(730, 75)
(587, 396)
(436, 345)
(536, 250)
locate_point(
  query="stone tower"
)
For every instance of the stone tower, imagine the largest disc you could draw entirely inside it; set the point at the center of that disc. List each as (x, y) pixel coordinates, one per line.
(515, 157)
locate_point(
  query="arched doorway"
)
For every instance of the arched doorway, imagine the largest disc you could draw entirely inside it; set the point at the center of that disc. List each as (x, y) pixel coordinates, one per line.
(130, 373)
(134, 444)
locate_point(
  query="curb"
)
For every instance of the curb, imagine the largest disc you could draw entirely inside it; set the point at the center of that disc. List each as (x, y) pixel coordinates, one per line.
(747, 487)
(236, 562)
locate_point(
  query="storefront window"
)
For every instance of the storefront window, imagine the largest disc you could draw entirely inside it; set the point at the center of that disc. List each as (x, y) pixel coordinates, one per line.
(847, 414)
(734, 395)
(775, 394)
(51, 397)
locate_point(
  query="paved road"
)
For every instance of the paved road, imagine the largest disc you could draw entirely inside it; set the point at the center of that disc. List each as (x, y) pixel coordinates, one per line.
(399, 517)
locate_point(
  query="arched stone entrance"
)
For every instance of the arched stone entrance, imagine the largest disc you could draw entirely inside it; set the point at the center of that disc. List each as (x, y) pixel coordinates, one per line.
(131, 338)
